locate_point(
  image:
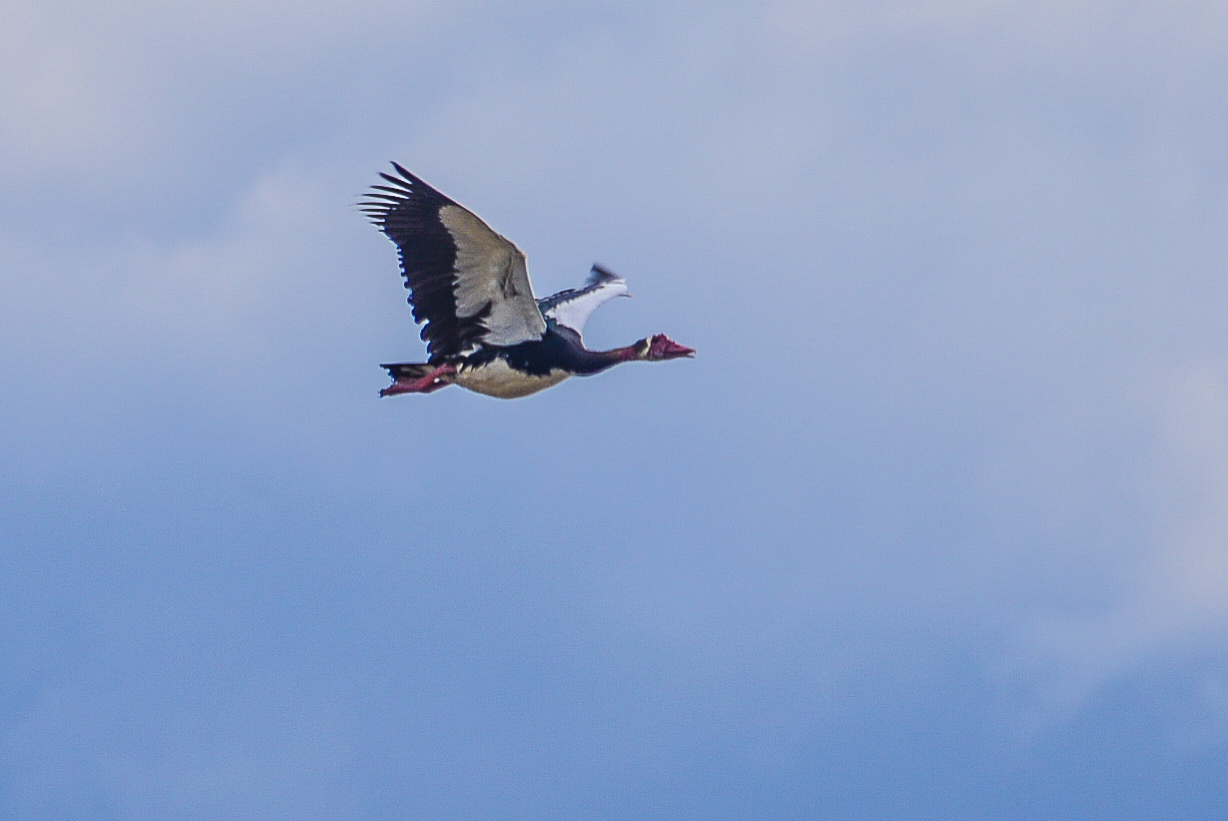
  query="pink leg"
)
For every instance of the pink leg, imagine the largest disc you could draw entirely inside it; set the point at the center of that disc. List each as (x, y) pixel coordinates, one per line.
(427, 384)
(439, 383)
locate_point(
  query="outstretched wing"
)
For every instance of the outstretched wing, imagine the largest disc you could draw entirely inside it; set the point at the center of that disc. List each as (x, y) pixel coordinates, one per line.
(467, 283)
(572, 308)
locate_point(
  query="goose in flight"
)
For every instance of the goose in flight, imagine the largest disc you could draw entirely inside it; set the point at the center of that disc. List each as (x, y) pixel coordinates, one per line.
(484, 330)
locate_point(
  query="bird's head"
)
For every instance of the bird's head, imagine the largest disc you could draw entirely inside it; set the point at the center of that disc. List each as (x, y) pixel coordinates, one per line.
(658, 347)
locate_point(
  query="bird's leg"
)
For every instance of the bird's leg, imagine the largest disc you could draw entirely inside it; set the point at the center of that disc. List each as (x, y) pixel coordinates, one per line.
(439, 383)
(426, 384)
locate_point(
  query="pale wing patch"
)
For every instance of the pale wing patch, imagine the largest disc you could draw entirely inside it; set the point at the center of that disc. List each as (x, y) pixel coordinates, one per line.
(491, 270)
(574, 312)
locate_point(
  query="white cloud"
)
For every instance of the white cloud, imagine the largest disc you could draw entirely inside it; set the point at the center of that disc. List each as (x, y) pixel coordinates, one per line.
(1175, 592)
(63, 103)
(897, 184)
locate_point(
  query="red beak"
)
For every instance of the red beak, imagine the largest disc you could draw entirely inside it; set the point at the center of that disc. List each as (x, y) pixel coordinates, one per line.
(675, 349)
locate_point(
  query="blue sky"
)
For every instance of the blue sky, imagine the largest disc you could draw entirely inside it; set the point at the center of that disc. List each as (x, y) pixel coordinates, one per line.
(934, 526)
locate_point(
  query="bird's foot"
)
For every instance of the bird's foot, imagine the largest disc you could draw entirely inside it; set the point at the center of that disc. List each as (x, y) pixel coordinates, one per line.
(433, 381)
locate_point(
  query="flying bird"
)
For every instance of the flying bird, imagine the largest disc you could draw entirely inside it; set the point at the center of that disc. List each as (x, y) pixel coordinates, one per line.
(484, 330)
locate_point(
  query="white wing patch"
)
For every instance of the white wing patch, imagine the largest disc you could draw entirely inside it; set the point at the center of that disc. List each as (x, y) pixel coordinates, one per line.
(573, 312)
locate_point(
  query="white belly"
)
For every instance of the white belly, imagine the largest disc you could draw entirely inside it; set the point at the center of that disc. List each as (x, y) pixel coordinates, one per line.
(495, 378)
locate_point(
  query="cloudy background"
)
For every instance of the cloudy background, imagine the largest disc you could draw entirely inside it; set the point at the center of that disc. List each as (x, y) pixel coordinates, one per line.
(934, 526)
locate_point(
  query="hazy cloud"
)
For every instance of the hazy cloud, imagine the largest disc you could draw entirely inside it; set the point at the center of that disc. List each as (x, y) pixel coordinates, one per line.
(952, 456)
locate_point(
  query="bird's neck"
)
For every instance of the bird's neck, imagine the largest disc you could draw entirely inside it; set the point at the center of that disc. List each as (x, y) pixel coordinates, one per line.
(590, 362)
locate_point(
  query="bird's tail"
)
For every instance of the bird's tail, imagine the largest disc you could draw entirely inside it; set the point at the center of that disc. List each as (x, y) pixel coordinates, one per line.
(406, 371)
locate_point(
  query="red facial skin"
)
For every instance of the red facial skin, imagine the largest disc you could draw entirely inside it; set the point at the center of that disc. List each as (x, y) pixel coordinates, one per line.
(662, 347)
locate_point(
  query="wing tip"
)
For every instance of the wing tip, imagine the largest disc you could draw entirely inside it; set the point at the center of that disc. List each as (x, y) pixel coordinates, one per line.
(599, 274)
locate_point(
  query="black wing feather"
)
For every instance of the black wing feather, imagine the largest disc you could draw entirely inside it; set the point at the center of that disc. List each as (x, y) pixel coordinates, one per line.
(408, 214)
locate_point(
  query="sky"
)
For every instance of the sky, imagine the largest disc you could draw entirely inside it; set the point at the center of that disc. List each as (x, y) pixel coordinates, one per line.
(935, 525)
